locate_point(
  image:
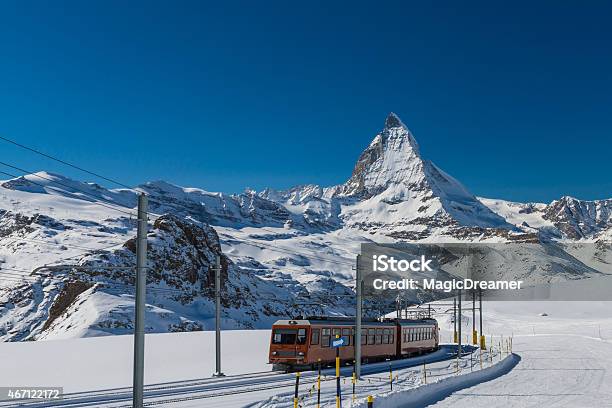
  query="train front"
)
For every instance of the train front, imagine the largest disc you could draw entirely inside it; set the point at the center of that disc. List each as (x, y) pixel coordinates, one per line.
(289, 344)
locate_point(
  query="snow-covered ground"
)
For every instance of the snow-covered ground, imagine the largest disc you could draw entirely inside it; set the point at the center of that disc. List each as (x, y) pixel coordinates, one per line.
(99, 363)
(564, 351)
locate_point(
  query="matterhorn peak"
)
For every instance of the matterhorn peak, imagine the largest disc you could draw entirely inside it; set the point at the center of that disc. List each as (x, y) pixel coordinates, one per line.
(393, 121)
(392, 169)
(391, 158)
(396, 135)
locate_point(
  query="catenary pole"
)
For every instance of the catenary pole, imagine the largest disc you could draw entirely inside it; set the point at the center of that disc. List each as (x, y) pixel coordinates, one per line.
(474, 332)
(358, 312)
(459, 326)
(141, 282)
(454, 319)
(482, 337)
(218, 372)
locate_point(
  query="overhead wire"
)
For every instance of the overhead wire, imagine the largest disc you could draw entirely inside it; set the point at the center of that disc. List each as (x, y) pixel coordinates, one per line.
(74, 166)
(313, 256)
(253, 242)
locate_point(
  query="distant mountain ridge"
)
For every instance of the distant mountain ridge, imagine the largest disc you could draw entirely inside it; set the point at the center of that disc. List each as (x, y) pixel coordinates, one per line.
(283, 250)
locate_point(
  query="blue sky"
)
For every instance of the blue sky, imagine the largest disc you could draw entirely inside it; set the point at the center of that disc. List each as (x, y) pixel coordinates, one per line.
(514, 99)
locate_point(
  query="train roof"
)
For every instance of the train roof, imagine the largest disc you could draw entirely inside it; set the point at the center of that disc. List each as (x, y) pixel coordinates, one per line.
(350, 321)
(409, 322)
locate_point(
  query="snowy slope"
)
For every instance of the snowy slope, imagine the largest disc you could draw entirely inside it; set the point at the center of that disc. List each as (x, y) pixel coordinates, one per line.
(290, 250)
(565, 360)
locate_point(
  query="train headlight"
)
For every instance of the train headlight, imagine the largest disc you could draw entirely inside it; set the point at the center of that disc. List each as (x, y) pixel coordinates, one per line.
(301, 353)
(274, 353)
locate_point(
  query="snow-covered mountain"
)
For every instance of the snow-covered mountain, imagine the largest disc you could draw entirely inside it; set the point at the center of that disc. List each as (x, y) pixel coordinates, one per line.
(283, 251)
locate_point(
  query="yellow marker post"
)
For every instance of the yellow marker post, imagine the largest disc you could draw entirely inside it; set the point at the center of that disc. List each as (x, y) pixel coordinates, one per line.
(475, 337)
(354, 383)
(483, 345)
(424, 373)
(319, 385)
(338, 396)
(297, 386)
(370, 401)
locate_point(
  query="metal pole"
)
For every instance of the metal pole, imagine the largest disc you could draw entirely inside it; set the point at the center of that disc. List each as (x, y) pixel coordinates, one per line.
(358, 313)
(319, 386)
(218, 372)
(454, 320)
(474, 332)
(397, 307)
(338, 395)
(141, 283)
(459, 324)
(482, 337)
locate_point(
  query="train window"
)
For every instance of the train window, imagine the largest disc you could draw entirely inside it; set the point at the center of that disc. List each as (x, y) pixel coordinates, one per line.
(364, 337)
(386, 333)
(301, 336)
(346, 336)
(336, 332)
(379, 333)
(284, 336)
(314, 338)
(371, 336)
(391, 338)
(325, 337)
(412, 335)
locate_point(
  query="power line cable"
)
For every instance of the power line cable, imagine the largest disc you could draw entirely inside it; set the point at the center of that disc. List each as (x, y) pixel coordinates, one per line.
(126, 186)
(255, 242)
(74, 166)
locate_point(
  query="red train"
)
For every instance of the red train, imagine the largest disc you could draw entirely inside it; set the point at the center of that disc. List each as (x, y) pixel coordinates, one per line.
(303, 343)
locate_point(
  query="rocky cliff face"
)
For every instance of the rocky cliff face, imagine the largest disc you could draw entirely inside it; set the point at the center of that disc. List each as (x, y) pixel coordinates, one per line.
(95, 295)
(578, 219)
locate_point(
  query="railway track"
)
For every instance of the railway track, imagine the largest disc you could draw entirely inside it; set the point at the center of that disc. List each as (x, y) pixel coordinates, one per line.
(199, 389)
